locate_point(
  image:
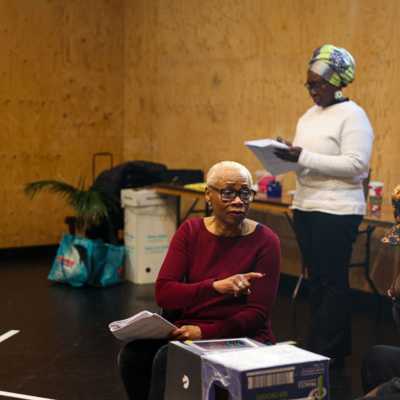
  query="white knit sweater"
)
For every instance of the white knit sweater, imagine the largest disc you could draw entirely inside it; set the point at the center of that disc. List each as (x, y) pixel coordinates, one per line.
(337, 143)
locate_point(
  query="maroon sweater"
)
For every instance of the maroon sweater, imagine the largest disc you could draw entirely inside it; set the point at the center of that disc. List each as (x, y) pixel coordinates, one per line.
(196, 258)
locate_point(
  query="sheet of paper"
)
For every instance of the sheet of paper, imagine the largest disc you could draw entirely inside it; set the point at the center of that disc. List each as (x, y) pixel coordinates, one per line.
(144, 325)
(124, 322)
(264, 151)
(264, 357)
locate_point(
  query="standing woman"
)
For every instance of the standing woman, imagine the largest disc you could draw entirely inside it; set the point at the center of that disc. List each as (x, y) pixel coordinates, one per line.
(332, 146)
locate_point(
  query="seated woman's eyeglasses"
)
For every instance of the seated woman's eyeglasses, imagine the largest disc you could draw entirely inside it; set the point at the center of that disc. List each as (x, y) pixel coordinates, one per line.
(245, 194)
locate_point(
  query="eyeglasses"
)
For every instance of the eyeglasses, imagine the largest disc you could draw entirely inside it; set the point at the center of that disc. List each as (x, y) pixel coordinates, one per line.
(315, 85)
(245, 194)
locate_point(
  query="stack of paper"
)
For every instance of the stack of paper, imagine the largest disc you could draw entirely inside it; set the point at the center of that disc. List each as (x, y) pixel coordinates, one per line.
(264, 357)
(144, 325)
(264, 151)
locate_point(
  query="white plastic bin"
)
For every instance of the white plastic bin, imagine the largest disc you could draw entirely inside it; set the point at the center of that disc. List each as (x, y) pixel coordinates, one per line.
(150, 222)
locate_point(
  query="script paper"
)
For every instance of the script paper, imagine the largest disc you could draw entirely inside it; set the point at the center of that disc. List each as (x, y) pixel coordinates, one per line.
(144, 325)
(263, 357)
(264, 151)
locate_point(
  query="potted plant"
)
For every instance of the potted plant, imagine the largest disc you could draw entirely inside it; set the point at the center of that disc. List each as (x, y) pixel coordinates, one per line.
(90, 205)
(80, 260)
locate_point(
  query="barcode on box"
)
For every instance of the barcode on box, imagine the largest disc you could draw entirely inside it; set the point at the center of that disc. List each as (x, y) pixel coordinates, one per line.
(272, 377)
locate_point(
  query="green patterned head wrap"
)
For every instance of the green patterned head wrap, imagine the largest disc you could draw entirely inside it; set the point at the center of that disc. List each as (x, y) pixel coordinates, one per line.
(335, 64)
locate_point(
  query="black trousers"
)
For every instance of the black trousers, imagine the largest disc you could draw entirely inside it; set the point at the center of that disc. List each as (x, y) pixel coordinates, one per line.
(143, 365)
(326, 243)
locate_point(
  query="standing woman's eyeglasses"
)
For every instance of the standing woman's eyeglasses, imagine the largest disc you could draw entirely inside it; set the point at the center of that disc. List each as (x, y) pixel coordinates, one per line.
(317, 85)
(245, 194)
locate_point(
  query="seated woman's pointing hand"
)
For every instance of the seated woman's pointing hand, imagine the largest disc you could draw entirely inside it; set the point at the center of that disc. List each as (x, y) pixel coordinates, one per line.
(238, 284)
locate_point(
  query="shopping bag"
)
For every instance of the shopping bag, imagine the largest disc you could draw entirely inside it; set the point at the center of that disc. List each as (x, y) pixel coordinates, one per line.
(72, 262)
(111, 265)
(81, 261)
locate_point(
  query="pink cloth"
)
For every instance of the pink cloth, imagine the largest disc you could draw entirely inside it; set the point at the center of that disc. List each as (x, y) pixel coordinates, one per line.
(196, 258)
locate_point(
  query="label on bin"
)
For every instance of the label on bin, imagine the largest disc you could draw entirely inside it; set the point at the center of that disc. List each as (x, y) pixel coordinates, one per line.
(141, 198)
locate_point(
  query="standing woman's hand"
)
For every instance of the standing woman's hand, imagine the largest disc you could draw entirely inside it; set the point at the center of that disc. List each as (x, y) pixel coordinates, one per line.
(280, 139)
(291, 154)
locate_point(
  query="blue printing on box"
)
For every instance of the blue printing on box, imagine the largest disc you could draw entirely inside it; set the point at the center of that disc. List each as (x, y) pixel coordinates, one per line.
(291, 382)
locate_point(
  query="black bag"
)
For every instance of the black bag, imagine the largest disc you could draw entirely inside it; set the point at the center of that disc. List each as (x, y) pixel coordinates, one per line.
(183, 176)
(131, 174)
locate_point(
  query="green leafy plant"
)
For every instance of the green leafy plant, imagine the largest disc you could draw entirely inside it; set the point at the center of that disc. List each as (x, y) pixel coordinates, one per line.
(90, 205)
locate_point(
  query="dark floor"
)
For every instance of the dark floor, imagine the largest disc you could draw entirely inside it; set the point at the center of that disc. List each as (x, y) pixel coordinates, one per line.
(65, 352)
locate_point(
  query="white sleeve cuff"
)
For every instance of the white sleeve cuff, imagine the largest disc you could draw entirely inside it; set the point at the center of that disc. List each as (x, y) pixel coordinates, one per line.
(304, 157)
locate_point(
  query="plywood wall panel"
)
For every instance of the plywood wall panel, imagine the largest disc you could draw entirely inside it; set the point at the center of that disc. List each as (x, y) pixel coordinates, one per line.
(179, 82)
(201, 78)
(61, 100)
(210, 76)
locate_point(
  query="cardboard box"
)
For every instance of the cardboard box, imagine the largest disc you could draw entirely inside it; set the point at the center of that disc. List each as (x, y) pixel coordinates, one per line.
(280, 372)
(150, 222)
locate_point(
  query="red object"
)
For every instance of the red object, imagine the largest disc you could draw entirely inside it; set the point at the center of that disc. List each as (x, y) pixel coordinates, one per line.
(264, 182)
(201, 258)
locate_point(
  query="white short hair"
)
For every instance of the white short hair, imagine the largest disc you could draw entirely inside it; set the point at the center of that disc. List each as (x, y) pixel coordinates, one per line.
(217, 171)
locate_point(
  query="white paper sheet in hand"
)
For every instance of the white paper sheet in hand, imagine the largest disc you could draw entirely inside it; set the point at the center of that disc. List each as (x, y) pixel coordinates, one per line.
(144, 325)
(264, 151)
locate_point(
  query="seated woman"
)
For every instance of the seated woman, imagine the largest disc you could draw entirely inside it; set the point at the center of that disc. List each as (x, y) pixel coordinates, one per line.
(380, 371)
(221, 272)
